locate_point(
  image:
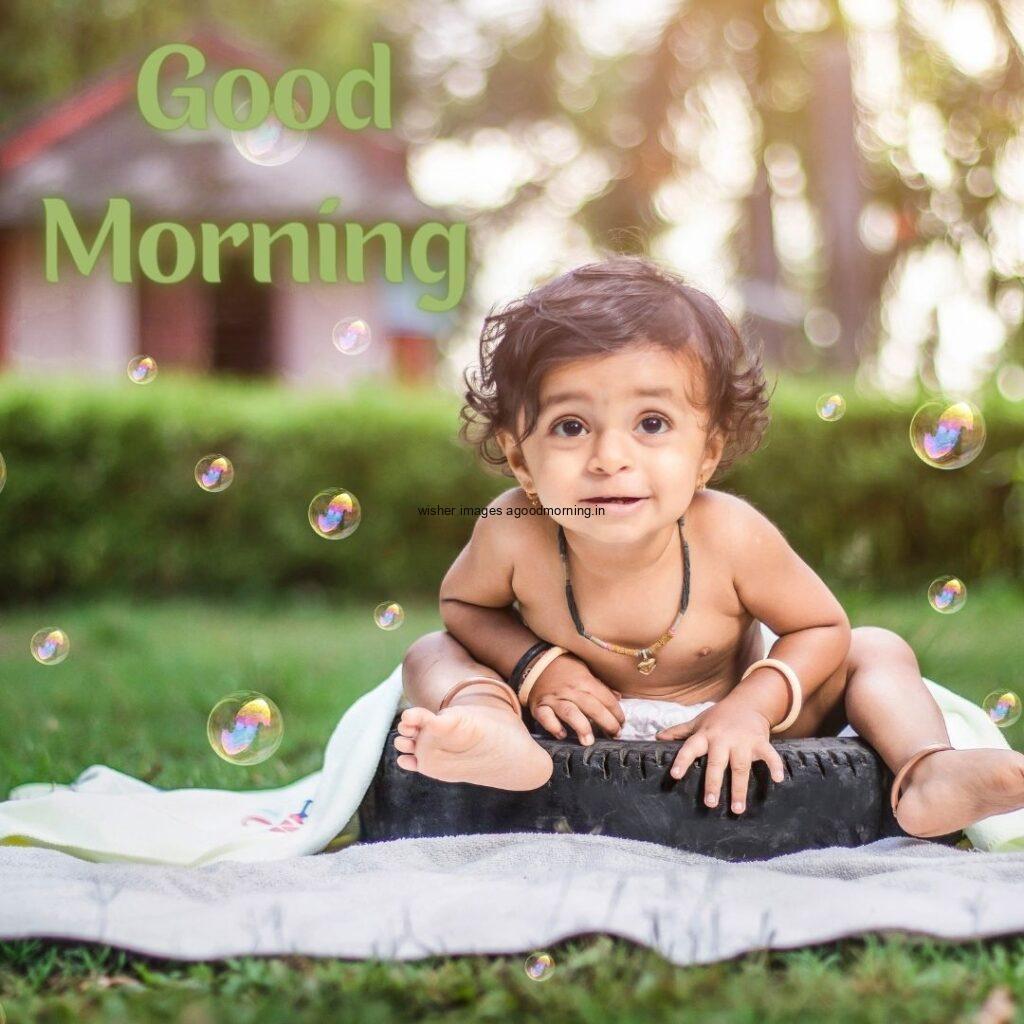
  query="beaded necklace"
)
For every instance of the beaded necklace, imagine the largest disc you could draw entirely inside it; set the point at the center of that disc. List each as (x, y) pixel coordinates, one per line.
(645, 660)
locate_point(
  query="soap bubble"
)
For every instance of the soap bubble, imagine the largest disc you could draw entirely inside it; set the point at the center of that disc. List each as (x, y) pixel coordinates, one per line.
(1003, 708)
(50, 646)
(214, 473)
(245, 727)
(947, 594)
(270, 143)
(831, 407)
(334, 514)
(948, 435)
(539, 966)
(3, 471)
(388, 615)
(142, 369)
(351, 336)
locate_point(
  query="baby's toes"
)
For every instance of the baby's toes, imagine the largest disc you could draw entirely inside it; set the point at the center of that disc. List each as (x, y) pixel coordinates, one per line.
(413, 719)
(408, 762)
(406, 744)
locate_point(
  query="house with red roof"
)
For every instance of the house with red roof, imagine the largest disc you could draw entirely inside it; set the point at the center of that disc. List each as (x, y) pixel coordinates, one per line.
(94, 145)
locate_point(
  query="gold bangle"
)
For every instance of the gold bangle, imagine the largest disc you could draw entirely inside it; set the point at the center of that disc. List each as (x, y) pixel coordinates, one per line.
(535, 670)
(506, 692)
(796, 697)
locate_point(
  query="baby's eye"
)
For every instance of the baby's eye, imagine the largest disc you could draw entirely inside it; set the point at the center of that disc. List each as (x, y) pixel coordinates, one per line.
(647, 422)
(576, 428)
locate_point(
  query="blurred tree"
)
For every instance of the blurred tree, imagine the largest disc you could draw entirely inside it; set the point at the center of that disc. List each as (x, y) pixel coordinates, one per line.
(50, 46)
(825, 148)
(878, 130)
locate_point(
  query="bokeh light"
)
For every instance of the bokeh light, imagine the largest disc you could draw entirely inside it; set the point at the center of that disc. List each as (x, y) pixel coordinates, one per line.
(948, 435)
(1010, 381)
(351, 336)
(539, 966)
(831, 407)
(245, 728)
(50, 646)
(389, 615)
(1003, 708)
(947, 594)
(270, 143)
(142, 370)
(334, 514)
(214, 473)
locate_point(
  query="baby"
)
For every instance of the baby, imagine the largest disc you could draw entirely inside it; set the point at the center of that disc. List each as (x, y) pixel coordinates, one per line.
(614, 394)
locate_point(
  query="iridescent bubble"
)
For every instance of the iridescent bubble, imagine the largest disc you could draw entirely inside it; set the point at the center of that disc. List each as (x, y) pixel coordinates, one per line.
(947, 594)
(1003, 708)
(50, 646)
(214, 473)
(388, 615)
(948, 435)
(245, 727)
(831, 407)
(269, 143)
(142, 369)
(351, 335)
(3, 471)
(334, 514)
(539, 966)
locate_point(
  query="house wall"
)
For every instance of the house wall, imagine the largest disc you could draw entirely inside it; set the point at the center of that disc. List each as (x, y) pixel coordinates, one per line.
(80, 325)
(304, 317)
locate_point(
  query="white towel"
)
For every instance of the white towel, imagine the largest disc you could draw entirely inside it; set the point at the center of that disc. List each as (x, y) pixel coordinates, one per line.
(105, 815)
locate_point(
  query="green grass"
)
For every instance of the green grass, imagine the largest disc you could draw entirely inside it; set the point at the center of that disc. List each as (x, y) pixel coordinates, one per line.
(135, 693)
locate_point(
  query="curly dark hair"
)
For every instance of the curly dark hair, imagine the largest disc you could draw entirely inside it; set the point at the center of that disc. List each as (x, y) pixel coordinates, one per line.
(600, 308)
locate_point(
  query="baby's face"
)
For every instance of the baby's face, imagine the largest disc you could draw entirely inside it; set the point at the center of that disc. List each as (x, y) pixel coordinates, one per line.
(619, 425)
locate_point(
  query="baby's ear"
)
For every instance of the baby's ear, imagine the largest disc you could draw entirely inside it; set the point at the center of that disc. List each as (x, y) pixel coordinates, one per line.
(714, 445)
(513, 453)
(508, 446)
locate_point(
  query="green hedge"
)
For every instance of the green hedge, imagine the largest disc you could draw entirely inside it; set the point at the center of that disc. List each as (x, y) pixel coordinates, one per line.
(100, 495)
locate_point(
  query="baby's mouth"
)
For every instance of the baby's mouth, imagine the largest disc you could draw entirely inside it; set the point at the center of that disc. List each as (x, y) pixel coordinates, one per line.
(612, 500)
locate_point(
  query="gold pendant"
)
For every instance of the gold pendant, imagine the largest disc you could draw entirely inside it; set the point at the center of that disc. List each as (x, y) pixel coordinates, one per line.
(646, 665)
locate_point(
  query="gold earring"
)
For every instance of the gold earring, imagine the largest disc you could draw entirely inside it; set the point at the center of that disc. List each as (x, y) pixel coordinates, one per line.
(700, 485)
(533, 499)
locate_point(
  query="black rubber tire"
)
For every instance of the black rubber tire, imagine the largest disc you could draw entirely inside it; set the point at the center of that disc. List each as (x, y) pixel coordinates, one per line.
(835, 793)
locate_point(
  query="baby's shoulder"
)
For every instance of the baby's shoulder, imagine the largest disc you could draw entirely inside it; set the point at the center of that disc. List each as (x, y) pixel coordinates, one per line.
(724, 520)
(523, 531)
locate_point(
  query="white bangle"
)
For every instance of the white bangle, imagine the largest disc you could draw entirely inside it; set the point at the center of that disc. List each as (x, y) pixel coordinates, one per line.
(535, 670)
(796, 697)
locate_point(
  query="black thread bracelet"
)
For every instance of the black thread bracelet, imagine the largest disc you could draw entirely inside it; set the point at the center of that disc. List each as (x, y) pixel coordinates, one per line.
(515, 679)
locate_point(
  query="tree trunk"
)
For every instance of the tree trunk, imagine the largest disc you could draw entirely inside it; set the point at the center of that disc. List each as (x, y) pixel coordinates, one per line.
(839, 193)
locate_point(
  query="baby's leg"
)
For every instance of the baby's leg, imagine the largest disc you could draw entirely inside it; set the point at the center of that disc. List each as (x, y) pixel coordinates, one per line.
(889, 705)
(477, 738)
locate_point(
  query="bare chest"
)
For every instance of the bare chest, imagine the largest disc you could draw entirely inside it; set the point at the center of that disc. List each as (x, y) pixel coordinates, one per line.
(713, 643)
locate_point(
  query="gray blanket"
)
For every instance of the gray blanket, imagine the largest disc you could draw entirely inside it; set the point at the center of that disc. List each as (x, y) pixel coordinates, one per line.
(491, 894)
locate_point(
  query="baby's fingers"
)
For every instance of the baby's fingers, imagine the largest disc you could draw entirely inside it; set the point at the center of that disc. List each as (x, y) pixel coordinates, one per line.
(718, 761)
(688, 753)
(740, 781)
(677, 732)
(547, 719)
(771, 757)
(575, 719)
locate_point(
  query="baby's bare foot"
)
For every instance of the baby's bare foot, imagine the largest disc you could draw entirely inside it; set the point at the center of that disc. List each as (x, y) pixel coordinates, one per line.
(488, 746)
(951, 789)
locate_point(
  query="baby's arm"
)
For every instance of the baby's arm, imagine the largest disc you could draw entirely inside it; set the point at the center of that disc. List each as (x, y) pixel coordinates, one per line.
(781, 590)
(476, 597)
(776, 586)
(476, 607)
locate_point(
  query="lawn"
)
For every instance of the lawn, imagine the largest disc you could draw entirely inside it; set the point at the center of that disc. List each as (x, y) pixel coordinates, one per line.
(134, 694)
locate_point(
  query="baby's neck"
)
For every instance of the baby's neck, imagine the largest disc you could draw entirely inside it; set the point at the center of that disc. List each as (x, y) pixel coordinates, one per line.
(617, 562)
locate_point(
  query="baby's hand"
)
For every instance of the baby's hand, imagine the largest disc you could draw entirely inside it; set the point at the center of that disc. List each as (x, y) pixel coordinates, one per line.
(567, 691)
(730, 734)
